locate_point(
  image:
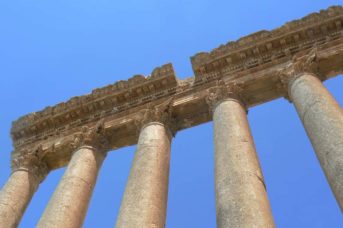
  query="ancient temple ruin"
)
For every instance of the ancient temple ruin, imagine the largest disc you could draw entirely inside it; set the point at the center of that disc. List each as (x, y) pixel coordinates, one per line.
(290, 61)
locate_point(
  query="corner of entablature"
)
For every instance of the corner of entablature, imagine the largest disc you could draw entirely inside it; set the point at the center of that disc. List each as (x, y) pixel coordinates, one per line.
(30, 160)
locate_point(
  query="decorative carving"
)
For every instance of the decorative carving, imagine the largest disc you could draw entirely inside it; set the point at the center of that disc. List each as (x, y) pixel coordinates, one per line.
(32, 161)
(251, 40)
(224, 91)
(263, 47)
(95, 137)
(247, 53)
(305, 64)
(161, 113)
(252, 60)
(107, 97)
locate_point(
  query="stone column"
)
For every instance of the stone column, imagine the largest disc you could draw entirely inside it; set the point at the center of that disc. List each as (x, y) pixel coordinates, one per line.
(322, 118)
(145, 199)
(241, 198)
(28, 170)
(68, 206)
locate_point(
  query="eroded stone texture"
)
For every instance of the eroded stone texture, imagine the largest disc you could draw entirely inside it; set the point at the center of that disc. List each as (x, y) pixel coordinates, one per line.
(145, 199)
(68, 206)
(322, 118)
(69, 203)
(15, 196)
(254, 61)
(28, 171)
(251, 65)
(241, 198)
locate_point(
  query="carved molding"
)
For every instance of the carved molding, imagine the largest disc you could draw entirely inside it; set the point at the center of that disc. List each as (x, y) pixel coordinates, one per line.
(224, 91)
(31, 161)
(280, 41)
(161, 113)
(95, 137)
(101, 102)
(306, 64)
(250, 53)
(128, 105)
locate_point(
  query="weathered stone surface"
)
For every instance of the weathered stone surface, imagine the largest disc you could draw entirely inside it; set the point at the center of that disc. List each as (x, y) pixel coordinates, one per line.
(253, 61)
(255, 69)
(145, 199)
(264, 46)
(68, 206)
(322, 118)
(28, 170)
(15, 196)
(101, 102)
(241, 198)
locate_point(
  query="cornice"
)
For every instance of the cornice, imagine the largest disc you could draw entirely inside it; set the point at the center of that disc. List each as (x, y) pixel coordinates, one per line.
(122, 107)
(267, 46)
(100, 103)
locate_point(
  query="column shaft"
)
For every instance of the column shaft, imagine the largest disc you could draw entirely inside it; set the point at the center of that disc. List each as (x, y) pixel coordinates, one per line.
(68, 206)
(322, 118)
(15, 196)
(241, 198)
(145, 199)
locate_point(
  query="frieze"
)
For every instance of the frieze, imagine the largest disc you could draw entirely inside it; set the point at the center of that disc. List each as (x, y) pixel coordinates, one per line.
(185, 85)
(255, 49)
(124, 95)
(117, 96)
(252, 77)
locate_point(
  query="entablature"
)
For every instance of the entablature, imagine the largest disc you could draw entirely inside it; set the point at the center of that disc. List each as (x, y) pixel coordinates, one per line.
(119, 105)
(101, 102)
(264, 47)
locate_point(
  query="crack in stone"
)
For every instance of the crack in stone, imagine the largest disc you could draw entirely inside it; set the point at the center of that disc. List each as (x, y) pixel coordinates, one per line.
(83, 180)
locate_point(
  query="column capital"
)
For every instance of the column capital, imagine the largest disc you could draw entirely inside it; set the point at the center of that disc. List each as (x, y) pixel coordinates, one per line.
(225, 91)
(161, 113)
(307, 64)
(30, 160)
(95, 137)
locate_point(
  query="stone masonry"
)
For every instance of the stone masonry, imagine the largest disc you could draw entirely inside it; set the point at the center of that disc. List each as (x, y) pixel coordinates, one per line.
(291, 61)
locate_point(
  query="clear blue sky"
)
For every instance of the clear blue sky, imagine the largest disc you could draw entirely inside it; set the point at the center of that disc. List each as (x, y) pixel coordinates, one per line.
(53, 50)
